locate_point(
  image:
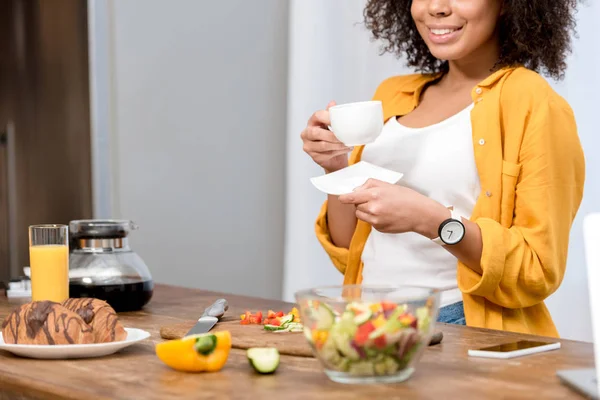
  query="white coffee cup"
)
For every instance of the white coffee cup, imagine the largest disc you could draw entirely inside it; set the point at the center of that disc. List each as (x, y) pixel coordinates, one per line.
(355, 124)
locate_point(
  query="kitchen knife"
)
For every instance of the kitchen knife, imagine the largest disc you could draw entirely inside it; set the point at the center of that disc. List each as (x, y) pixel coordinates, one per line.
(210, 317)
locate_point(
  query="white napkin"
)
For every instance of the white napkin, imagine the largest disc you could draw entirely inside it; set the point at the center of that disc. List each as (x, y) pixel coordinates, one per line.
(346, 180)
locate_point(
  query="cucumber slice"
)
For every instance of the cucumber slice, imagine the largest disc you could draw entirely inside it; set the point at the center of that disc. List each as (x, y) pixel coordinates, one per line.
(308, 334)
(377, 332)
(392, 325)
(363, 317)
(324, 317)
(286, 319)
(274, 328)
(264, 360)
(362, 368)
(295, 327)
(290, 327)
(343, 344)
(205, 344)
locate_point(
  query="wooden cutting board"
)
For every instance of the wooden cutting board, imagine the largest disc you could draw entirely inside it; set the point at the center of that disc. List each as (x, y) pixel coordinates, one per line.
(248, 336)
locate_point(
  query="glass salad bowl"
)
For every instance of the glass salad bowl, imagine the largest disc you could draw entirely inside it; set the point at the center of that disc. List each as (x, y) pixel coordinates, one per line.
(368, 334)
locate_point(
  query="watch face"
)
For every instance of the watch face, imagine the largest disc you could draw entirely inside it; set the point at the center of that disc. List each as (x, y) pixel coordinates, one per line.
(452, 232)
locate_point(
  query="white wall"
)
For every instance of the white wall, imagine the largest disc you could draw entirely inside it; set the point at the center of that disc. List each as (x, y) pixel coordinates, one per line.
(331, 58)
(197, 103)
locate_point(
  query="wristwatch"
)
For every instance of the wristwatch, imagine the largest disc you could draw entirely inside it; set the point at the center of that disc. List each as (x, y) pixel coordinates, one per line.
(451, 231)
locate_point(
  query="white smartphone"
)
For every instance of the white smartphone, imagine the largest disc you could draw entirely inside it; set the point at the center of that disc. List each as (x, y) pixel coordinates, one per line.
(515, 349)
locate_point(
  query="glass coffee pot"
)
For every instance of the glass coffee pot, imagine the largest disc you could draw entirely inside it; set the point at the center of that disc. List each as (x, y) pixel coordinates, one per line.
(103, 266)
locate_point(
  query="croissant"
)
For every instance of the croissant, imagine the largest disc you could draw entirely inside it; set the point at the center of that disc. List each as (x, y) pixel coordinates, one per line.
(100, 316)
(45, 322)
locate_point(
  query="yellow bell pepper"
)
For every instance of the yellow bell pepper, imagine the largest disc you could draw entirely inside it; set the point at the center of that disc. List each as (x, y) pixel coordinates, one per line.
(319, 337)
(296, 314)
(196, 353)
(379, 321)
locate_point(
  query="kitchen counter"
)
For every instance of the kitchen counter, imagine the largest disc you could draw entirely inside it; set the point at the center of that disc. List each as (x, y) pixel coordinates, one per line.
(445, 371)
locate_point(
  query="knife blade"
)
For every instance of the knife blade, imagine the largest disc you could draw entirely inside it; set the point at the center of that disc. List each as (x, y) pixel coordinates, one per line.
(209, 318)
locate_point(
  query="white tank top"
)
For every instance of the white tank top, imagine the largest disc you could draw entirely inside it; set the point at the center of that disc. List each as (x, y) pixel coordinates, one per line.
(437, 161)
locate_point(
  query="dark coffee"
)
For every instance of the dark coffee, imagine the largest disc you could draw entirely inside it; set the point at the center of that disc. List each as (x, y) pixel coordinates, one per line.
(130, 294)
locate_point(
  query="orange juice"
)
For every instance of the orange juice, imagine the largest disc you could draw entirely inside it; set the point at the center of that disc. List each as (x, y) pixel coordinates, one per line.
(49, 272)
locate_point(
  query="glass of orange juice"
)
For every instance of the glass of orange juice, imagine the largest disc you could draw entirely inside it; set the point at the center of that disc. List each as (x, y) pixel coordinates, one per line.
(49, 262)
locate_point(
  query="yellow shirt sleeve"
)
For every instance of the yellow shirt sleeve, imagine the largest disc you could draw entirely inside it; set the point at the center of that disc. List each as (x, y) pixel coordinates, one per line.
(525, 263)
(338, 255)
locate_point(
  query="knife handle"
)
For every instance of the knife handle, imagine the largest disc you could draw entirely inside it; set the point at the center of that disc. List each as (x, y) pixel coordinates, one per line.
(216, 309)
(436, 338)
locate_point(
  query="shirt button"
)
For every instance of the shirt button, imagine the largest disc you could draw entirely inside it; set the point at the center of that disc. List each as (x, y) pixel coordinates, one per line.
(481, 142)
(478, 90)
(488, 193)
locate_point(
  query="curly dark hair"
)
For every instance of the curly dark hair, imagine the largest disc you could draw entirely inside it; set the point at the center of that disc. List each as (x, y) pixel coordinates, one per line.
(533, 33)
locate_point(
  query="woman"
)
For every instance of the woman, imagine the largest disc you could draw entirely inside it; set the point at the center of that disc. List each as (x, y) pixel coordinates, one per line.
(492, 162)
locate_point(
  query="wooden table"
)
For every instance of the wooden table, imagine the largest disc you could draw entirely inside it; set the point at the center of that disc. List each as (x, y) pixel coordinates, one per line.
(445, 371)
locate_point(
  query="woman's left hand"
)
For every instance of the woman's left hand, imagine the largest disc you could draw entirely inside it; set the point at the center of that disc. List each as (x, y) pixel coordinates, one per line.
(396, 209)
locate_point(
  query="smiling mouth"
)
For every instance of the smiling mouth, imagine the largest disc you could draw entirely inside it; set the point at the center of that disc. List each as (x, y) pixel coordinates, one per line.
(445, 31)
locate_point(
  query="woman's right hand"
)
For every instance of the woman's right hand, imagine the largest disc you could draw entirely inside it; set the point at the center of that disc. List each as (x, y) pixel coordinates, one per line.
(322, 145)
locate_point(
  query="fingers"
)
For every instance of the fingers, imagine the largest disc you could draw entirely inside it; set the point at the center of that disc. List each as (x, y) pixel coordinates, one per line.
(363, 216)
(325, 147)
(370, 183)
(316, 133)
(330, 104)
(359, 197)
(368, 208)
(321, 158)
(320, 118)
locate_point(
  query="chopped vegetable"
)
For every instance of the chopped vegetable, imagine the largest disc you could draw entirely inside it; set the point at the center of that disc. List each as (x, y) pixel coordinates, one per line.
(296, 315)
(273, 314)
(251, 319)
(275, 321)
(323, 316)
(196, 353)
(367, 339)
(264, 360)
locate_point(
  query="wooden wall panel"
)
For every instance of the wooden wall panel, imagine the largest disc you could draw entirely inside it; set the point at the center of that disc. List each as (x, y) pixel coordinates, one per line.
(50, 96)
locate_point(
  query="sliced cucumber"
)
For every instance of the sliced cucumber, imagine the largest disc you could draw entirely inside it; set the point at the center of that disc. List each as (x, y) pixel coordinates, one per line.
(274, 328)
(380, 368)
(363, 317)
(424, 318)
(286, 319)
(295, 327)
(343, 344)
(391, 365)
(346, 324)
(308, 334)
(324, 317)
(364, 368)
(377, 332)
(290, 327)
(392, 325)
(205, 344)
(329, 352)
(264, 360)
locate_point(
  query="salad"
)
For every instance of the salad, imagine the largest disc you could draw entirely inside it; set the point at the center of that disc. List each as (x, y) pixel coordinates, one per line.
(274, 321)
(366, 339)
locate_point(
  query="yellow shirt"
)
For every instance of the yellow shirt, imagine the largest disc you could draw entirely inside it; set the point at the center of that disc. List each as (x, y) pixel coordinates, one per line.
(531, 169)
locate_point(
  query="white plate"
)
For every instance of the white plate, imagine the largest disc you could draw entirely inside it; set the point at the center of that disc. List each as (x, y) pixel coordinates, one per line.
(67, 351)
(346, 180)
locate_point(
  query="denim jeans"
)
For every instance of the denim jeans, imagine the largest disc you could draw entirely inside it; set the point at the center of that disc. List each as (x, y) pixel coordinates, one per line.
(452, 314)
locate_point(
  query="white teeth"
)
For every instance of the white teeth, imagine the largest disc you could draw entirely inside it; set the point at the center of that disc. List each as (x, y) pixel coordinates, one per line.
(442, 31)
